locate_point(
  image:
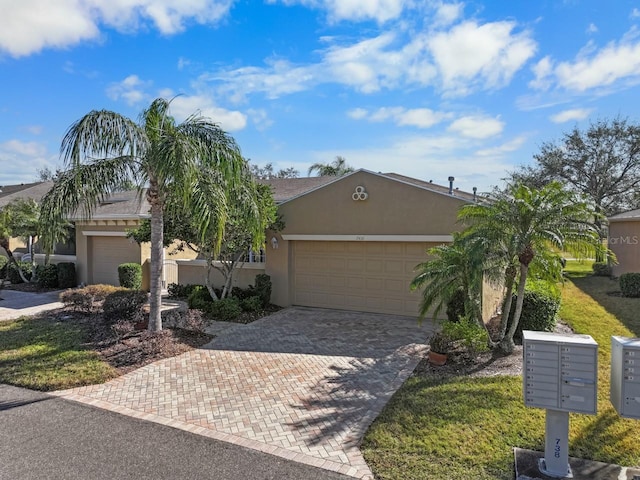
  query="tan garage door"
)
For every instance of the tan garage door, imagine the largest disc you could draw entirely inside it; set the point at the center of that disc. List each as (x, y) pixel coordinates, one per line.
(109, 252)
(364, 276)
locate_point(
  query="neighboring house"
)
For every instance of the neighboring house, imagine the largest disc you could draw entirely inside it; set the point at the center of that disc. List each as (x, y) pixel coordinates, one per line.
(624, 241)
(349, 242)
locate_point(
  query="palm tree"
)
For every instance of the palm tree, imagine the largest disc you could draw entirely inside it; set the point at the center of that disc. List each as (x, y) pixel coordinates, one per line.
(104, 150)
(337, 168)
(453, 268)
(522, 224)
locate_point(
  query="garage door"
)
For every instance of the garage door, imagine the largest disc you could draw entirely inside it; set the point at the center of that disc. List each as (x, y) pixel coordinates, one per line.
(109, 252)
(364, 276)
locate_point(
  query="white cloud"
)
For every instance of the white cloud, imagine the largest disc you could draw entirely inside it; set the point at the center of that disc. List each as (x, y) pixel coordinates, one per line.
(20, 161)
(572, 114)
(500, 150)
(29, 26)
(416, 117)
(131, 90)
(230, 120)
(466, 58)
(447, 13)
(260, 119)
(635, 13)
(487, 55)
(593, 68)
(592, 28)
(477, 126)
(355, 10)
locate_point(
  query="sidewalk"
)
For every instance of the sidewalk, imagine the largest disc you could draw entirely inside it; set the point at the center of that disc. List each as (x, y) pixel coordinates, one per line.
(15, 304)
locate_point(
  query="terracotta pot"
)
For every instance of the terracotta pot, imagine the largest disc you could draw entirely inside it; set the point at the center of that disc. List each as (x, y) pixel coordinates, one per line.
(437, 359)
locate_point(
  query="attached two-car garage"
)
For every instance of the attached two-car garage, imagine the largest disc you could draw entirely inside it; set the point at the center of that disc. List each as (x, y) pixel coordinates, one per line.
(357, 275)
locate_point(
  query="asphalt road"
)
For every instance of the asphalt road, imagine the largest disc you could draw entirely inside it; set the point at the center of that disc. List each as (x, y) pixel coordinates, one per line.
(47, 437)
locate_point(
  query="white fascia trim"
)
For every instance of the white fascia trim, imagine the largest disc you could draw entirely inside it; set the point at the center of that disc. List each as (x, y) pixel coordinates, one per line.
(203, 263)
(115, 216)
(371, 238)
(104, 233)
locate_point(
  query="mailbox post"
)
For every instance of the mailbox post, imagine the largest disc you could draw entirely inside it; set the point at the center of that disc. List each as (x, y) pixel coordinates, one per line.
(625, 376)
(560, 375)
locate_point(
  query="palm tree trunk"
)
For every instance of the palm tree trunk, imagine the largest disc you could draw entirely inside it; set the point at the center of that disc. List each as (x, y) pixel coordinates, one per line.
(504, 321)
(507, 344)
(155, 282)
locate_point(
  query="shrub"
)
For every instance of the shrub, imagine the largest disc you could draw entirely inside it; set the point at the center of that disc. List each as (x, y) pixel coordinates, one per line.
(243, 293)
(602, 269)
(3, 266)
(455, 306)
(630, 284)
(175, 290)
(467, 334)
(263, 288)
(47, 275)
(225, 309)
(67, 275)
(199, 298)
(130, 275)
(88, 299)
(539, 309)
(124, 305)
(440, 342)
(251, 304)
(14, 276)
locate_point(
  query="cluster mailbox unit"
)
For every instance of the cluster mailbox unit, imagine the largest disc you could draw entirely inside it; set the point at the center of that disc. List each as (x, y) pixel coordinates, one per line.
(625, 376)
(561, 376)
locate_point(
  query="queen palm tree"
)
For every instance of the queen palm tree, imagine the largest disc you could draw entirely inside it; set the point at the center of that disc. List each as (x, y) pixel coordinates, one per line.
(522, 224)
(337, 168)
(104, 149)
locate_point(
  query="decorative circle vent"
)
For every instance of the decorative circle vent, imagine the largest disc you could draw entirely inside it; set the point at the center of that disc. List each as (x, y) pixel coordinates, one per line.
(359, 194)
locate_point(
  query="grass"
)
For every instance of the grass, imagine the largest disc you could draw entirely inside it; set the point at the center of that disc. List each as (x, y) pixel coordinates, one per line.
(45, 354)
(466, 427)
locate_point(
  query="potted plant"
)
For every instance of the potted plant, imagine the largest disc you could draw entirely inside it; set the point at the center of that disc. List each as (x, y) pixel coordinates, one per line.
(439, 346)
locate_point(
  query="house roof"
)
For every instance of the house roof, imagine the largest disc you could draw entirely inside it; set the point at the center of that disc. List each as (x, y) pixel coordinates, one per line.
(287, 188)
(25, 191)
(631, 215)
(430, 186)
(130, 204)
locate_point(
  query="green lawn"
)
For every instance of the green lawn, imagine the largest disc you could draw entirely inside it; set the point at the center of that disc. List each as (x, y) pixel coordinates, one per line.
(43, 354)
(466, 427)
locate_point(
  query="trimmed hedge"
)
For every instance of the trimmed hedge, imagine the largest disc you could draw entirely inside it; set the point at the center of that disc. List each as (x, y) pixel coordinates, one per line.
(225, 309)
(67, 275)
(14, 276)
(263, 288)
(630, 284)
(124, 305)
(47, 275)
(251, 304)
(539, 309)
(130, 275)
(602, 269)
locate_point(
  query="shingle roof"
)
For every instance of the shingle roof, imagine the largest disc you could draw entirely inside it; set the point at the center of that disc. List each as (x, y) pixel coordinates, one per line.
(430, 185)
(121, 205)
(630, 215)
(286, 188)
(28, 190)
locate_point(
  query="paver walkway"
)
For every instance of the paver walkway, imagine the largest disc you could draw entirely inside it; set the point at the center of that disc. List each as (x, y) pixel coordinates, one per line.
(15, 304)
(303, 384)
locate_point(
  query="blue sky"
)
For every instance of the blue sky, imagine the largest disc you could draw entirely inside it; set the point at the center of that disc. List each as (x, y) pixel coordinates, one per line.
(423, 88)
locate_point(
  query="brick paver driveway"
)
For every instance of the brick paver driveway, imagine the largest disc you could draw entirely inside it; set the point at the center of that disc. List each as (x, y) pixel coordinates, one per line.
(303, 384)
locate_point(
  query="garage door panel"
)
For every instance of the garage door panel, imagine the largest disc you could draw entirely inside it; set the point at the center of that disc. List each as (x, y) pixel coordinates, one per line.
(109, 252)
(367, 276)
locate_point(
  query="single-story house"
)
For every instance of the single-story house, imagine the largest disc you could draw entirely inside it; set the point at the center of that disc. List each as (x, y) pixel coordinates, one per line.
(624, 241)
(349, 242)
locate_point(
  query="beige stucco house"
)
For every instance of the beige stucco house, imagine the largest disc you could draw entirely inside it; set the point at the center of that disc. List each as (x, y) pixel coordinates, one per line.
(624, 241)
(350, 242)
